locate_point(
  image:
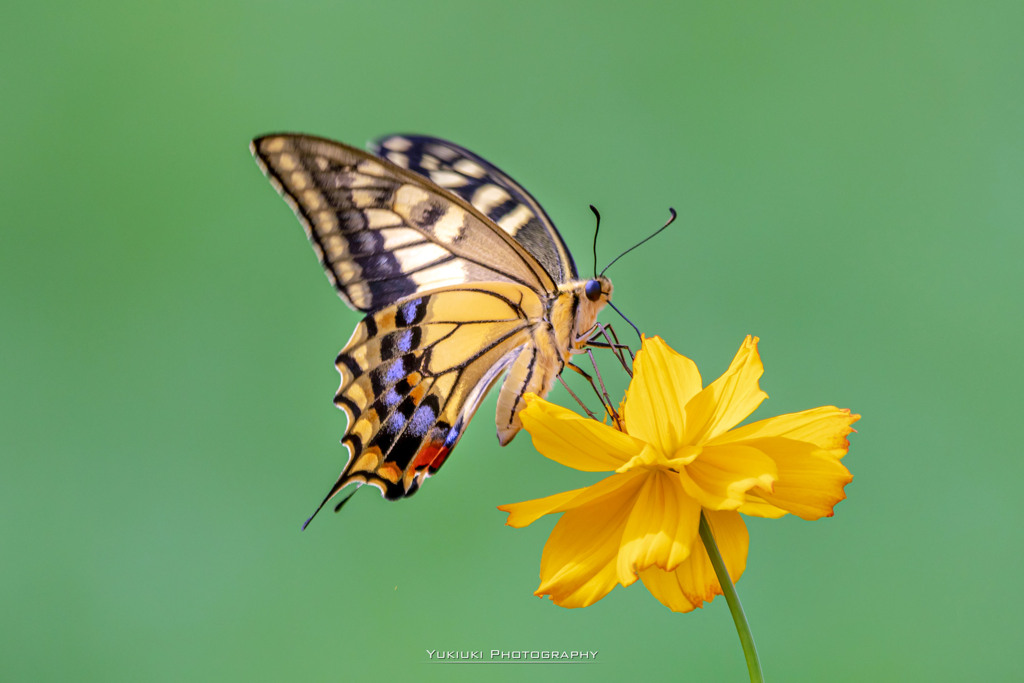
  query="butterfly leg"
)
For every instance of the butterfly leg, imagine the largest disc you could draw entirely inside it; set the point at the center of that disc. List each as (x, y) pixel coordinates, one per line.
(597, 372)
(602, 394)
(607, 330)
(579, 401)
(612, 342)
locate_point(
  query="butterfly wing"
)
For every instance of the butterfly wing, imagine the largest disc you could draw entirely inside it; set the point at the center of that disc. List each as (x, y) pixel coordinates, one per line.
(487, 188)
(383, 233)
(413, 374)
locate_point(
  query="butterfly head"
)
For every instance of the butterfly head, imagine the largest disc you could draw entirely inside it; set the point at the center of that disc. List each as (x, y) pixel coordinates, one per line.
(592, 295)
(598, 290)
(597, 293)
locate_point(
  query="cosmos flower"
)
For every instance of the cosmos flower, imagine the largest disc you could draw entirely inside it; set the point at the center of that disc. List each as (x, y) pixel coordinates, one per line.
(678, 454)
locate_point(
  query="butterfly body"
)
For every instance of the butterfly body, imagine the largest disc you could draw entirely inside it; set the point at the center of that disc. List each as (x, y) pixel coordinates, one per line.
(453, 297)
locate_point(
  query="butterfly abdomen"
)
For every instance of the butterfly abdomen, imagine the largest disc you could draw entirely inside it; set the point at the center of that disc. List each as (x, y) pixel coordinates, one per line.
(534, 371)
(565, 328)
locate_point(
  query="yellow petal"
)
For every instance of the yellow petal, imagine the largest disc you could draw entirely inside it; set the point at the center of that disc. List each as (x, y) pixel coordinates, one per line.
(729, 399)
(578, 565)
(661, 527)
(648, 457)
(727, 472)
(732, 540)
(575, 441)
(691, 488)
(706, 498)
(529, 511)
(665, 587)
(810, 482)
(663, 382)
(755, 506)
(826, 427)
(694, 582)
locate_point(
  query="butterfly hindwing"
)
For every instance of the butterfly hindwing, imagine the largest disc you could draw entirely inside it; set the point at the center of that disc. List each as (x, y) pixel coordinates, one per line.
(383, 233)
(489, 189)
(414, 373)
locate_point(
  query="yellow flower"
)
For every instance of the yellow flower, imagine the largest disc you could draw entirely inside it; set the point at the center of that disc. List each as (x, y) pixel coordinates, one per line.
(675, 458)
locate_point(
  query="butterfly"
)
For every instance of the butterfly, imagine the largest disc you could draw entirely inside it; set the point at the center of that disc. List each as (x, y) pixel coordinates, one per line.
(462, 277)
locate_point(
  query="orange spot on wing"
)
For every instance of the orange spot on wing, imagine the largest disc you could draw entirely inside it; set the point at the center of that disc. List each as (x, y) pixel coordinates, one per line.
(431, 456)
(391, 472)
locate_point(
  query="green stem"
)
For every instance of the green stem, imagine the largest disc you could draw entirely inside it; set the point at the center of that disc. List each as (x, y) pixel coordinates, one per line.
(742, 627)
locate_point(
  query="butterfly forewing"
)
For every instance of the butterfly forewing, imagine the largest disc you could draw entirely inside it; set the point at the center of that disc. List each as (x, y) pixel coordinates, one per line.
(487, 188)
(383, 233)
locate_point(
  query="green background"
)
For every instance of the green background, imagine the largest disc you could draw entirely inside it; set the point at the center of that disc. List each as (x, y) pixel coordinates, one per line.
(849, 183)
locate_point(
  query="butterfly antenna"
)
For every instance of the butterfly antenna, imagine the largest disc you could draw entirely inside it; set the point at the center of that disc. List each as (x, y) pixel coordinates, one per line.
(597, 227)
(649, 237)
(623, 316)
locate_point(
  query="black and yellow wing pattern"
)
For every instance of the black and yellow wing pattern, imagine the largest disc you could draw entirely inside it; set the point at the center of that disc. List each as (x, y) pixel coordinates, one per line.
(489, 189)
(458, 287)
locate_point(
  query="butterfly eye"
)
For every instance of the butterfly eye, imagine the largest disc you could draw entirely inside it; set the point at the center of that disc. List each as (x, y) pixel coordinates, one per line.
(593, 290)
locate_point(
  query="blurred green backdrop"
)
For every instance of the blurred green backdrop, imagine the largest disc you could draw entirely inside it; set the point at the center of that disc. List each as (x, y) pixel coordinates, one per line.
(848, 178)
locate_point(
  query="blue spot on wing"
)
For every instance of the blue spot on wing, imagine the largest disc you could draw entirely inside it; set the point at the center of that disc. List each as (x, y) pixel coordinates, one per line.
(396, 372)
(411, 312)
(409, 309)
(453, 435)
(405, 341)
(423, 419)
